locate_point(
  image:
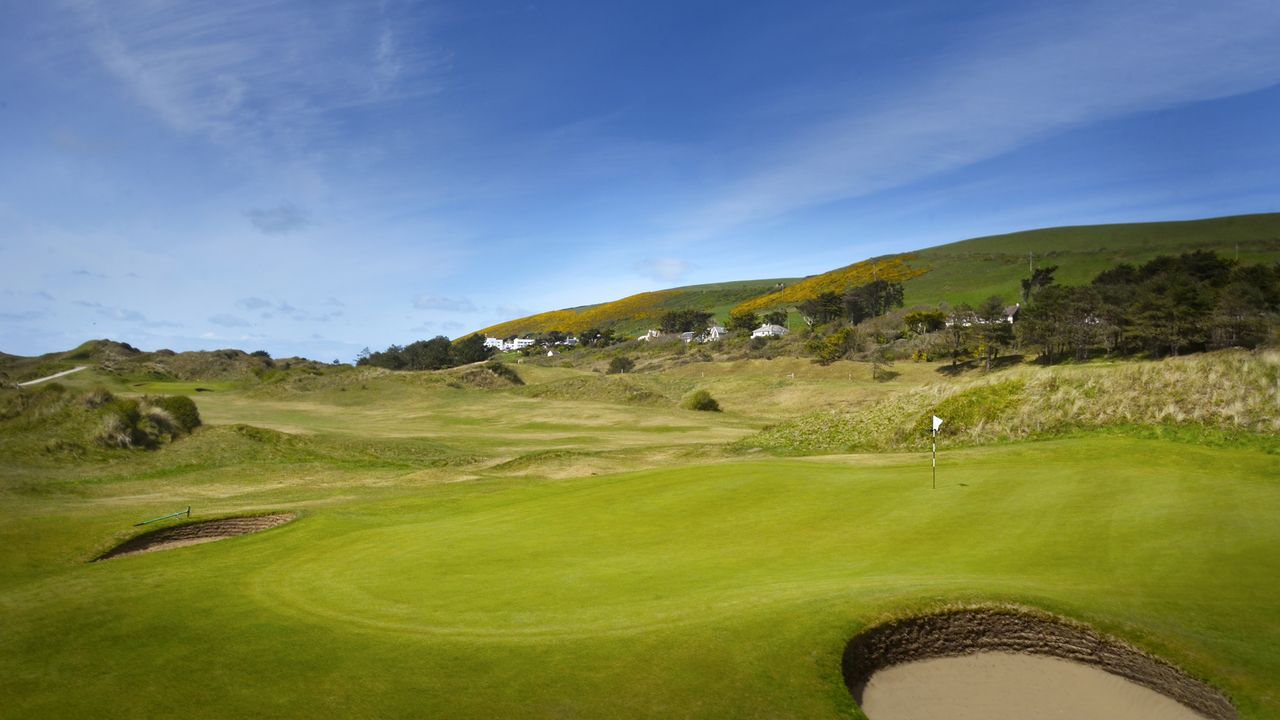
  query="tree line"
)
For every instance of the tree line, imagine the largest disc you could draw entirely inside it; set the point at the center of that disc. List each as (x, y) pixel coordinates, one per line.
(1168, 306)
(434, 354)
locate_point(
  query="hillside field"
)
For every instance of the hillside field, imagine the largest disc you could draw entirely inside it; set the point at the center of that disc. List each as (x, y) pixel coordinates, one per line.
(582, 547)
(967, 271)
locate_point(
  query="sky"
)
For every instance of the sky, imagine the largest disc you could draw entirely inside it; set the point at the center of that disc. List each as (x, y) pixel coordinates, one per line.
(312, 177)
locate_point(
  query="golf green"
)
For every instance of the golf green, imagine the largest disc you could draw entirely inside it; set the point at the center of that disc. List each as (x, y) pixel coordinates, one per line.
(724, 590)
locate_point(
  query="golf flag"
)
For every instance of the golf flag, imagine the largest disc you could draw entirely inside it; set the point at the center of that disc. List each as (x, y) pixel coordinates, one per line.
(937, 423)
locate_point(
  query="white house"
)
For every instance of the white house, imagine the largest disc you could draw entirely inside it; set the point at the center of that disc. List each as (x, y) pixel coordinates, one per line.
(651, 335)
(521, 343)
(769, 331)
(715, 333)
(687, 337)
(495, 343)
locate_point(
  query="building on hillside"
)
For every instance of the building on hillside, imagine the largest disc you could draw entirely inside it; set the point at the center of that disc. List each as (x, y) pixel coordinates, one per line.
(964, 318)
(651, 335)
(687, 337)
(715, 333)
(521, 343)
(571, 341)
(495, 343)
(1011, 312)
(769, 331)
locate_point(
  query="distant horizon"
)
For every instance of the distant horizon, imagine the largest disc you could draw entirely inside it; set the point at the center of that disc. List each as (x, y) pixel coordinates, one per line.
(248, 349)
(314, 180)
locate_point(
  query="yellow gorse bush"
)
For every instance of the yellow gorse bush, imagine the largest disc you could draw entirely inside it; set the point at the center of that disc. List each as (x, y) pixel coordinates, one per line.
(894, 269)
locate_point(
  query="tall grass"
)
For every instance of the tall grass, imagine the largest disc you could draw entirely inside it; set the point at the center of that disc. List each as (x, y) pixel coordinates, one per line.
(1233, 391)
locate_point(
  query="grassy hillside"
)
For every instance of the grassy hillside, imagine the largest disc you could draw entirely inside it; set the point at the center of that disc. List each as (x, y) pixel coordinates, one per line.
(966, 271)
(973, 270)
(635, 314)
(121, 361)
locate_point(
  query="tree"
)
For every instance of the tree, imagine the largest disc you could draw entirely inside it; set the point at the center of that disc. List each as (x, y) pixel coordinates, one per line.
(962, 322)
(678, 321)
(746, 321)
(871, 300)
(994, 331)
(881, 363)
(598, 337)
(471, 349)
(776, 317)
(1040, 279)
(822, 309)
(621, 364)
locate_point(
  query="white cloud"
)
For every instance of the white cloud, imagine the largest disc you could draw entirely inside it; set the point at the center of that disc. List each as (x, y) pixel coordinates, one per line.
(435, 302)
(279, 220)
(227, 320)
(665, 269)
(1024, 78)
(255, 71)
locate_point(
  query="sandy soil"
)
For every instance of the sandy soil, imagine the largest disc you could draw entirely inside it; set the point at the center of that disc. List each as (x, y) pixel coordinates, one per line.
(1011, 686)
(196, 533)
(958, 633)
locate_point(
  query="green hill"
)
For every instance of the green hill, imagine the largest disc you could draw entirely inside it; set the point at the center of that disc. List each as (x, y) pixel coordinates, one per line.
(973, 270)
(965, 271)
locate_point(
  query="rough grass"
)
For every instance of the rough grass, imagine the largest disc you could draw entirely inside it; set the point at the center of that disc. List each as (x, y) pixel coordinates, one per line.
(1230, 391)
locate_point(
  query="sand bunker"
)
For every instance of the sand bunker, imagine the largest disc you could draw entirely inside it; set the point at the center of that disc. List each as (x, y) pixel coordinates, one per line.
(995, 663)
(195, 533)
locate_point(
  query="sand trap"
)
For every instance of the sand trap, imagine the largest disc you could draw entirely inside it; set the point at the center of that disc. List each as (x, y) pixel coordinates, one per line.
(1010, 686)
(196, 533)
(1006, 663)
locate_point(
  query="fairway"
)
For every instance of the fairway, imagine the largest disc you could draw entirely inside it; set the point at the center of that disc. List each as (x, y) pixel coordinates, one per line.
(724, 590)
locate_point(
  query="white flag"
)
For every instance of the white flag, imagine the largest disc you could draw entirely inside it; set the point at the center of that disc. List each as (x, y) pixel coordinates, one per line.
(937, 423)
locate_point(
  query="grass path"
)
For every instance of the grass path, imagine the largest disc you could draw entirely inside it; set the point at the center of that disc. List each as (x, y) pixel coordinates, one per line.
(46, 378)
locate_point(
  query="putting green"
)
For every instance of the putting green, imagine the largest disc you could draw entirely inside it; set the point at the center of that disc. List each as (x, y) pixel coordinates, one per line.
(713, 591)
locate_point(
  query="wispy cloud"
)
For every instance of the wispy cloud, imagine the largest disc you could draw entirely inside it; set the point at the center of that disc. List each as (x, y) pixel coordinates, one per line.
(1024, 78)
(228, 320)
(22, 316)
(253, 303)
(435, 302)
(279, 220)
(664, 269)
(256, 70)
(269, 310)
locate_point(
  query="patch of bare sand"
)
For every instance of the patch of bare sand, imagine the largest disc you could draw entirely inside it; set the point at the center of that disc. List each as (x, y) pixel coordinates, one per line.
(1011, 686)
(196, 533)
(902, 651)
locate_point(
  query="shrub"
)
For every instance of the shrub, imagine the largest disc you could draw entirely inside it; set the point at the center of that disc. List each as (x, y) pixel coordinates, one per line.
(503, 370)
(700, 400)
(621, 364)
(119, 426)
(181, 408)
(97, 397)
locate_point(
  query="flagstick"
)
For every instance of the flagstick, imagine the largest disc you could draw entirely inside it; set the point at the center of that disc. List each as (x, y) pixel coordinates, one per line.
(935, 460)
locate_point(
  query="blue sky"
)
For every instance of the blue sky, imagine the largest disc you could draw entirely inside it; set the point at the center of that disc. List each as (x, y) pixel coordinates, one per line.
(316, 177)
